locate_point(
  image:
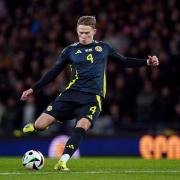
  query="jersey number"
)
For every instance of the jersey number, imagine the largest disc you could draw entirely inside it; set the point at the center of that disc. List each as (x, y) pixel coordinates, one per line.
(93, 109)
(90, 58)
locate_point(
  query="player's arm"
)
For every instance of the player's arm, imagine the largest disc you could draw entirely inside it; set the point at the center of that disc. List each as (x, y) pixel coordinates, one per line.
(132, 62)
(61, 63)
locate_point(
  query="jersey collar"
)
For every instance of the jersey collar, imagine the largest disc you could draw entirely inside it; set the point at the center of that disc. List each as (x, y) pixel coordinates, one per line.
(86, 45)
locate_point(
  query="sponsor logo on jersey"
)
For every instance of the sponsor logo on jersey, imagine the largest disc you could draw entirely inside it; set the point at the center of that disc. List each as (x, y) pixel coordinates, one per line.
(78, 51)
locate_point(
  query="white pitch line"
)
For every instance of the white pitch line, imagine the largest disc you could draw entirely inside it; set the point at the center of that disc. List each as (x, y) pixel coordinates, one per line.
(94, 172)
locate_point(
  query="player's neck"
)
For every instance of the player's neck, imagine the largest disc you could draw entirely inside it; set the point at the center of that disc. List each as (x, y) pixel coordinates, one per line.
(88, 43)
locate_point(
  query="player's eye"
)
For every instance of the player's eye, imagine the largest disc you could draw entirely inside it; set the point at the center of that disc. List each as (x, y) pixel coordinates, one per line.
(84, 33)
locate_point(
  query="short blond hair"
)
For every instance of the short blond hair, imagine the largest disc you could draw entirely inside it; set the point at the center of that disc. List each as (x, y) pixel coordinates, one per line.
(87, 21)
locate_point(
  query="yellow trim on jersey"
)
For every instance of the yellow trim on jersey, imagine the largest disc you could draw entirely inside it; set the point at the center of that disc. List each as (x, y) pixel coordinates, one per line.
(99, 101)
(104, 85)
(70, 66)
(73, 81)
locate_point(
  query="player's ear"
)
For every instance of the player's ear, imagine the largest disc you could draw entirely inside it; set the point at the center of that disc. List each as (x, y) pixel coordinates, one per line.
(95, 31)
(77, 29)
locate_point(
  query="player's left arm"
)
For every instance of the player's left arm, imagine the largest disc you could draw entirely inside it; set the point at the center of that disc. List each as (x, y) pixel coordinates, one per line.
(152, 61)
(132, 62)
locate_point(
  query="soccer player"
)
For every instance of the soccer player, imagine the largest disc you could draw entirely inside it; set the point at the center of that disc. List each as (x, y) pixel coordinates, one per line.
(82, 97)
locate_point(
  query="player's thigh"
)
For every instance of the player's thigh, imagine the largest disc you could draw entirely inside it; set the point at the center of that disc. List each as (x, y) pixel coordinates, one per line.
(44, 120)
(61, 110)
(89, 112)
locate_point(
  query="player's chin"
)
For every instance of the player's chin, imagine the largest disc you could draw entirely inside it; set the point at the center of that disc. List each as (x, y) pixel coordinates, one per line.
(157, 64)
(83, 42)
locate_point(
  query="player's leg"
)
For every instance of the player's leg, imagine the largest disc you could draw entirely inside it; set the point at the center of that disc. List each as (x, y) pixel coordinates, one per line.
(88, 114)
(42, 123)
(47, 118)
(73, 143)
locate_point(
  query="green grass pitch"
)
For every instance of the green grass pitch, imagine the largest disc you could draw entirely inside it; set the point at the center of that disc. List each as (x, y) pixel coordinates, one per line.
(94, 168)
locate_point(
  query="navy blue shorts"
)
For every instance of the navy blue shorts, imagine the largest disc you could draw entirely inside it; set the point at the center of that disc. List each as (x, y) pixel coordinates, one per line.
(75, 104)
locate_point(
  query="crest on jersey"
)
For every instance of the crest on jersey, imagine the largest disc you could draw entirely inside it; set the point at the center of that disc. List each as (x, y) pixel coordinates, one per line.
(49, 108)
(98, 48)
(78, 51)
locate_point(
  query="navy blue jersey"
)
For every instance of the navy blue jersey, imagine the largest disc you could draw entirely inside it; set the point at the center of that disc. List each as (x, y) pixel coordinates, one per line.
(88, 64)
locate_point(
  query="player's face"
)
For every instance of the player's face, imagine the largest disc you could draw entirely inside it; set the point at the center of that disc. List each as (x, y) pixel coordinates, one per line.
(85, 34)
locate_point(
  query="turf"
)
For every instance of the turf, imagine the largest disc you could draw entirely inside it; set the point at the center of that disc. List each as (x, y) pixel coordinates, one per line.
(94, 169)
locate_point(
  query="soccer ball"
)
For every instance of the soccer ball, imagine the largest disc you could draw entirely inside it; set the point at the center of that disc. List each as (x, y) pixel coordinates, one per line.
(33, 159)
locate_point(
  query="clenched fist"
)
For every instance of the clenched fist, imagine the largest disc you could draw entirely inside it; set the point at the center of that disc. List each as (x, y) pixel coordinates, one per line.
(26, 94)
(152, 61)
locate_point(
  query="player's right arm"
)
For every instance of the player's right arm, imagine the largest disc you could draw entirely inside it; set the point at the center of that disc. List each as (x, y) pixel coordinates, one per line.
(61, 63)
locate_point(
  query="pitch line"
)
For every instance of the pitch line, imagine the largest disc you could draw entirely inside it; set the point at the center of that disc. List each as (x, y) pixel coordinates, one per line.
(93, 172)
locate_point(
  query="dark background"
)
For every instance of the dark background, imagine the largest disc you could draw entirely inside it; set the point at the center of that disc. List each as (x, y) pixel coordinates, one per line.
(138, 101)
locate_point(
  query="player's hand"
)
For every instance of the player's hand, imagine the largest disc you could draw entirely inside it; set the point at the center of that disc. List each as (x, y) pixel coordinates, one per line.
(26, 94)
(152, 61)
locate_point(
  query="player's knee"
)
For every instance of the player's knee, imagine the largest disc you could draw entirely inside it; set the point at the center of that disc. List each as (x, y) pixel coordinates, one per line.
(39, 125)
(84, 123)
(44, 121)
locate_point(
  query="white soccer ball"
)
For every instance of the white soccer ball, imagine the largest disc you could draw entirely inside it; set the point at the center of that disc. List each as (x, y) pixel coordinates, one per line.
(33, 159)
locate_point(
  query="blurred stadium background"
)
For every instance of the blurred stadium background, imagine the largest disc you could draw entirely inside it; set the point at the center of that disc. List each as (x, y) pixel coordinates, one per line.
(144, 101)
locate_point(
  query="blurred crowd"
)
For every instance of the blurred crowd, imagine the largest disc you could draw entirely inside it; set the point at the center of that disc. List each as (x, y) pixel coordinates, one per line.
(34, 32)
